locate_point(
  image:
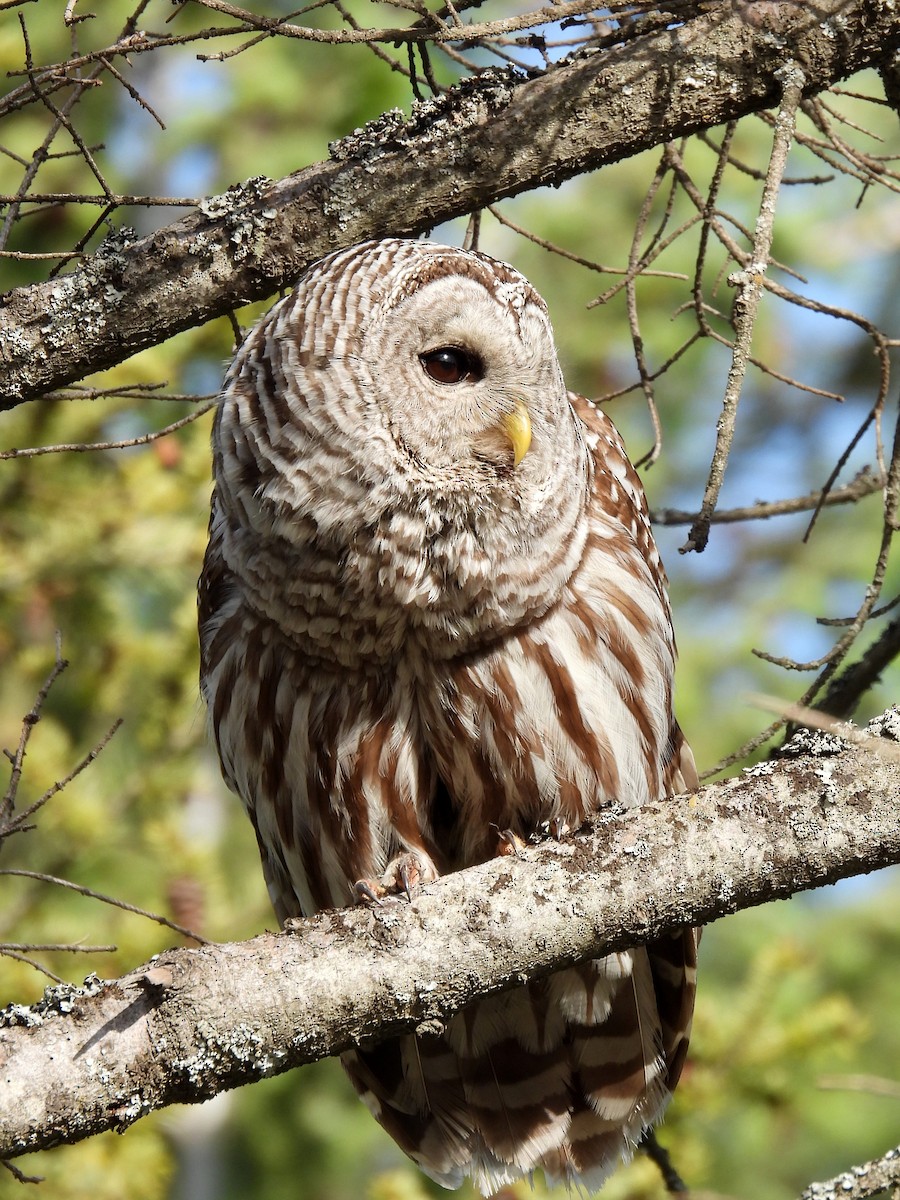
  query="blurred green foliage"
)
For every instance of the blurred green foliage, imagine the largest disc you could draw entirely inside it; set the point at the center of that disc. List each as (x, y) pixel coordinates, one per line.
(105, 547)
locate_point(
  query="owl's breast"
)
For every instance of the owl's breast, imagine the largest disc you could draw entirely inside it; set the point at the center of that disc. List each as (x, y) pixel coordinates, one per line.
(449, 576)
(455, 580)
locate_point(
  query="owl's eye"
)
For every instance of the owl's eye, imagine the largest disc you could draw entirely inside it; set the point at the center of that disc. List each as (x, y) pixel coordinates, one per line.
(451, 364)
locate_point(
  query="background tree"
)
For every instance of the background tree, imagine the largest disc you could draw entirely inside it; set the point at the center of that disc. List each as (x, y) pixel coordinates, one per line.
(113, 128)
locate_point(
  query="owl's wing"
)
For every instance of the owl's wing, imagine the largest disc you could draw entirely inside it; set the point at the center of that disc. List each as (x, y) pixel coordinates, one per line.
(617, 489)
(618, 492)
(329, 763)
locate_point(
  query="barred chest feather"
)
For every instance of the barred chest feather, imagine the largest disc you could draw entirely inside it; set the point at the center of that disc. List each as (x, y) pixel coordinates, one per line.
(434, 569)
(547, 720)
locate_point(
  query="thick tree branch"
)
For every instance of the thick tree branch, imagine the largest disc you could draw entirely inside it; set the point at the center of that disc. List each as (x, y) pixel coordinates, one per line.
(492, 137)
(199, 1021)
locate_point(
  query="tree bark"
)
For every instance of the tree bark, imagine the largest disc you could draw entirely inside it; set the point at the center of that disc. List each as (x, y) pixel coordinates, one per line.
(491, 137)
(867, 1179)
(198, 1021)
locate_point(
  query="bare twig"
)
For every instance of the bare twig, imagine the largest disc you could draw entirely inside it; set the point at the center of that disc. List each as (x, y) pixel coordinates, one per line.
(19, 1176)
(18, 824)
(871, 1085)
(62, 947)
(31, 718)
(122, 444)
(847, 689)
(865, 484)
(434, 28)
(659, 1155)
(746, 304)
(112, 900)
(637, 259)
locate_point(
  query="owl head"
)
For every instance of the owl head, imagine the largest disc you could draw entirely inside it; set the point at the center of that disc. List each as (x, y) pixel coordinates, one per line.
(408, 362)
(461, 367)
(404, 403)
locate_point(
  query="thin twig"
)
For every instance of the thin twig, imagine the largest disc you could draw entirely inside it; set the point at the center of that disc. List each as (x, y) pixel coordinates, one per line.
(17, 824)
(34, 964)
(31, 718)
(101, 896)
(636, 260)
(436, 31)
(659, 1155)
(746, 304)
(62, 947)
(124, 443)
(871, 1085)
(19, 1176)
(846, 690)
(865, 484)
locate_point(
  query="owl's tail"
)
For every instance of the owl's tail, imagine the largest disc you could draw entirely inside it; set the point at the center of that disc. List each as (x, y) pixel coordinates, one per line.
(564, 1074)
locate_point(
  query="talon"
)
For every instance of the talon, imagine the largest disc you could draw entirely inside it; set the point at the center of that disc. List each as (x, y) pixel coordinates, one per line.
(410, 878)
(404, 875)
(558, 828)
(508, 843)
(368, 891)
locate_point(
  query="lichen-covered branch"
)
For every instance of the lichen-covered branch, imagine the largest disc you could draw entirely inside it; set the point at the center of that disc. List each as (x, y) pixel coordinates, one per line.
(869, 1179)
(198, 1021)
(491, 137)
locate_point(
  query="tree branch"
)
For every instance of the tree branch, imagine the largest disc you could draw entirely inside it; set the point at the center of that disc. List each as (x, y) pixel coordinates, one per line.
(198, 1021)
(491, 137)
(869, 1179)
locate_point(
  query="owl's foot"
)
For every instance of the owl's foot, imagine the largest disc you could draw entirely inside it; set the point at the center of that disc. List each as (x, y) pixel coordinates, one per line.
(405, 875)
(508, 843)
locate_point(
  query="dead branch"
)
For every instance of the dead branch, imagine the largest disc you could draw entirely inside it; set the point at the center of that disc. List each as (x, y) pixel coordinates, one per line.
(198, 1021)
(865, 484)
(746, 304)
(491, 137)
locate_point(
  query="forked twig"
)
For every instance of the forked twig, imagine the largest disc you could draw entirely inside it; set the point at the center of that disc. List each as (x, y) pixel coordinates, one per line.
(746, 304)
(31, 718)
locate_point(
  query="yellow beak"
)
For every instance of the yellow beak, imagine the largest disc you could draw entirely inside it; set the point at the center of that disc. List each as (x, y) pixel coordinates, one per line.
(517, 427)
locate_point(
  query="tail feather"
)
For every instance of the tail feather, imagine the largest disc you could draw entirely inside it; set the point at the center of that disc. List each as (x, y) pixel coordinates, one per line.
(511, 1060)
(519, 1102)
(412, 1087)
(564, 1074)
(591, 1152)
(533, 1013)
(673, 964)
(583, 995)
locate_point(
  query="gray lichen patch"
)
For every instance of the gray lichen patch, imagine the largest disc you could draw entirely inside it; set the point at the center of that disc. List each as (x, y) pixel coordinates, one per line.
(886, 725)
(240, 209)
(431, 121)
(241, 1050)
(814, 743)
(57, 1001)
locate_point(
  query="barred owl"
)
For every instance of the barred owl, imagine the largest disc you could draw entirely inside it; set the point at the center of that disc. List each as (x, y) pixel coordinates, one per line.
(431, 610)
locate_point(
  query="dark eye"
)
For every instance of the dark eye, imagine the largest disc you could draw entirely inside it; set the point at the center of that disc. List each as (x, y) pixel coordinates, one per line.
(450, 364)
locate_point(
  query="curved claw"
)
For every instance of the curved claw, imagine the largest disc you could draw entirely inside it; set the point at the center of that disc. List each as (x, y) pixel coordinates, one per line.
(508, 843)
(368, 891)
(404, 875)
